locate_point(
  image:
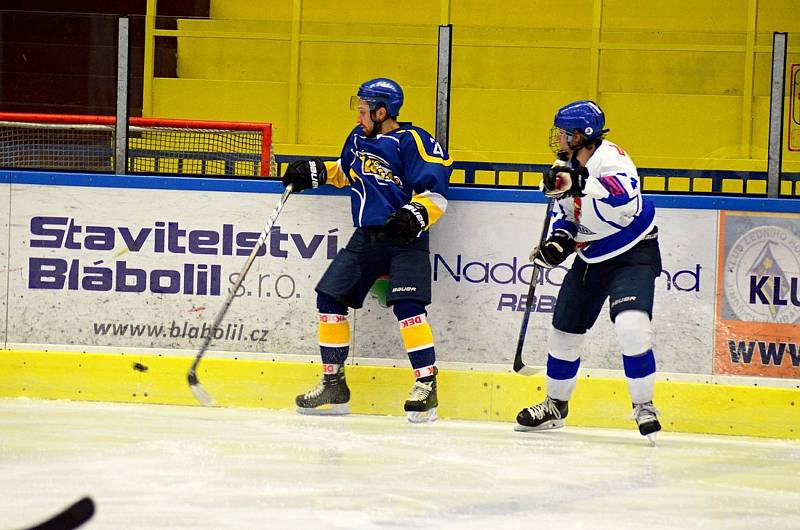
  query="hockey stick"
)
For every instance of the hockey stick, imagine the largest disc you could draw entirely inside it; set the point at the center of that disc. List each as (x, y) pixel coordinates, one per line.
(519, 365)
(194, 384)
(71, 517)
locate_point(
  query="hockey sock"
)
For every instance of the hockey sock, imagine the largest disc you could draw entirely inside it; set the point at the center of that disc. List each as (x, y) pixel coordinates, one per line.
(635, 339)
(331, 368)
(561, 377)
(640, 373)
(334, 332)
(417, 338)
(563, 360)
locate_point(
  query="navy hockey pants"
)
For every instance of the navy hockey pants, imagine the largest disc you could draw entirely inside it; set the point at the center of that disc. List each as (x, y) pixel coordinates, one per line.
(367, 256)
(627, 280)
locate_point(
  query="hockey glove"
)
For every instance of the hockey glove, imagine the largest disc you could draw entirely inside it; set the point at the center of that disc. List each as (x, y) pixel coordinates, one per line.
(304, 174)
(406, 223)
(562, 181)
(554, 251)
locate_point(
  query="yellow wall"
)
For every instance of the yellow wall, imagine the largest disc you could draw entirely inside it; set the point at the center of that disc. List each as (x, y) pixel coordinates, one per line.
(684, 84)
(599, 402)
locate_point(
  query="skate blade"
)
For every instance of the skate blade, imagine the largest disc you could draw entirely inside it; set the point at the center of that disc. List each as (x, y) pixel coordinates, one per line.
(334, 410)
(652, 439)
(427, 416)
(546, 426)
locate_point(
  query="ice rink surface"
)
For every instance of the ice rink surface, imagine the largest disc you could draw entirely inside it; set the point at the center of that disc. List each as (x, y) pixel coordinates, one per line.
(160, 467)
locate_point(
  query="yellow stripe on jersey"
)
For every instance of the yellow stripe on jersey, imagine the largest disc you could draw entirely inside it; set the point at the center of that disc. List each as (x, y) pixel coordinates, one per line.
(416, 333)
(334, 331)
(355, 176)
(336, 176)
(434, 203)
(424, 154)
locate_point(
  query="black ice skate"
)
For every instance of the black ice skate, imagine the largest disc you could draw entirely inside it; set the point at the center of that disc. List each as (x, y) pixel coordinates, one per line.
(422, 402)
(646, 417)
(549, 414)
(329, 397)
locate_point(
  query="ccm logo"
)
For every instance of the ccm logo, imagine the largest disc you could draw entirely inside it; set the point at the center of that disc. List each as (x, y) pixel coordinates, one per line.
(413, 321)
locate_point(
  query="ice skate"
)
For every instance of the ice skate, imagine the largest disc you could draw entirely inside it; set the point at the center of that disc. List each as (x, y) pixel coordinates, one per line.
(328, 398)
(549, 414)
(646, 417)
(422, 402)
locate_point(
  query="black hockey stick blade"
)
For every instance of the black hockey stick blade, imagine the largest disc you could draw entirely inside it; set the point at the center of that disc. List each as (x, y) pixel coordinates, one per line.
(73, 516)
(200, 393)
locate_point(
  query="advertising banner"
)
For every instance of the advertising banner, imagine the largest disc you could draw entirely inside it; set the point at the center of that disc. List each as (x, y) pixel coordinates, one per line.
(150, 268)
(758, 307)
(481, 272)
(138, 268)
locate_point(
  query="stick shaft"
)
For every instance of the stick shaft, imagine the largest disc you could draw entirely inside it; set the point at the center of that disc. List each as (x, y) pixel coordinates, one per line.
(518, 363)
(224, 309)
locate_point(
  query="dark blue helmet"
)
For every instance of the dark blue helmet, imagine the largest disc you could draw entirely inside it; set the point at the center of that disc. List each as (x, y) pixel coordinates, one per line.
(382, 91)
(584, 115)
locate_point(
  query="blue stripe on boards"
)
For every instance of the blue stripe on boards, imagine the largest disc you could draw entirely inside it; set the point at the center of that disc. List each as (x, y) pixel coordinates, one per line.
(458, 193)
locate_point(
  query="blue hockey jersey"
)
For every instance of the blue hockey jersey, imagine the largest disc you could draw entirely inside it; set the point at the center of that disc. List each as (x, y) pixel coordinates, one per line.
(390, 170)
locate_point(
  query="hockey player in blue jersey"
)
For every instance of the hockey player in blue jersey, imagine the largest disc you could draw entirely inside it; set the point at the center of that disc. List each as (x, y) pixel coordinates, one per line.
(601, 216)
(398, 177)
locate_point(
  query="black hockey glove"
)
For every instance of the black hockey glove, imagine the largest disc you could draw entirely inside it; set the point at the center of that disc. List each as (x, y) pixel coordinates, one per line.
(406, 223)
(554, 251)
(304, 174)
(562, 181)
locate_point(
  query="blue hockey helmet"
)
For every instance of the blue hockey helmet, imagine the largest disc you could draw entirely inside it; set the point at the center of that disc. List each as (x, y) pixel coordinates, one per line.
(584, 115)
(381, 91)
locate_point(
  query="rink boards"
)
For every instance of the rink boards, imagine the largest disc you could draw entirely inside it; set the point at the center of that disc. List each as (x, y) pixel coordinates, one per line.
(111, 267)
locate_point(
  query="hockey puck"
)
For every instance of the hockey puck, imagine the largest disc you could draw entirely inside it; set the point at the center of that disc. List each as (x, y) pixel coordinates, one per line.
(139, 367)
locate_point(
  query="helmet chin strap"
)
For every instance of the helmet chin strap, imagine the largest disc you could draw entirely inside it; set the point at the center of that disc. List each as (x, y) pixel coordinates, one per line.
(376, 125)
(575, 148)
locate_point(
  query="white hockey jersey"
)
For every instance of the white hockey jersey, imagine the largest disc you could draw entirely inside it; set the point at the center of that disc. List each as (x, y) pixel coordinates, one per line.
(613, 216)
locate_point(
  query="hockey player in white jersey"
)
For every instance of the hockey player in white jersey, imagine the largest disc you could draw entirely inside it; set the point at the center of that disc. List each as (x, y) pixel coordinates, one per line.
(602, 216)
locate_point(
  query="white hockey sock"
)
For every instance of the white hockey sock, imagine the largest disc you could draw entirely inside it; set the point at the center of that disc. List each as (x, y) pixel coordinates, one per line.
(640, 373)
(636, 340)
(641, 389)
(563, 361)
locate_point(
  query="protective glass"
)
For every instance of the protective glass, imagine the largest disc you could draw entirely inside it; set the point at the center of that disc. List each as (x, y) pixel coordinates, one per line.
(356, 103)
